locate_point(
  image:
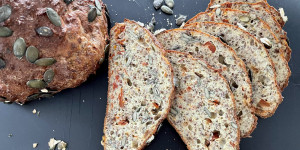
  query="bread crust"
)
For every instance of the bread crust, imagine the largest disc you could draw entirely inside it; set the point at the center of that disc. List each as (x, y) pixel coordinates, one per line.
(231, 95)
(77, 46)
(164, 116)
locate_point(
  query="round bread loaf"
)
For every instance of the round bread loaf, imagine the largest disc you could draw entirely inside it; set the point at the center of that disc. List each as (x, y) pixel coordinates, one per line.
(49, 45)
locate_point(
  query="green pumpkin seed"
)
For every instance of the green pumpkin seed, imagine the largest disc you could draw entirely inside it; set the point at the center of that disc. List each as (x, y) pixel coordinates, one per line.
(44, 31)
(68, 1)
(33, 97)
(5, 32)
(19, 47)
(5, 12)
(45, 62)
(48, 75)
(244, 19)
(37, 84)
(2, 63)
(167, 10)
(32, 54)
(92, 14)
(53, 16)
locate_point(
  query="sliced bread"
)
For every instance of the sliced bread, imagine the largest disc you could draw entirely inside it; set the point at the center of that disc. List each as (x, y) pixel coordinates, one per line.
(203, 110)
(140, 87)
(262, 3)
(255, 26)
(266, 93)
(222, 58)
(265, 15)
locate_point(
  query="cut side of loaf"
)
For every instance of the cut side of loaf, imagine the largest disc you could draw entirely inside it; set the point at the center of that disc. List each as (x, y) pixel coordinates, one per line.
(265, 15)
(203, 110)
(266, 93)
(257, 27)
(262, 3)
(140, 87)
(222, 58)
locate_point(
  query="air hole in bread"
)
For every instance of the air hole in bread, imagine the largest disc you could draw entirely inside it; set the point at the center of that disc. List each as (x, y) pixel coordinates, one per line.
(190, 127)
(129, 82)
(143, 103)
(197, 49)
(157, 117)
(207, 143)
(148, 123)
(191, 53)
(198, 141)
(199, 75)
(233, 84)
(226, 125)
(227, 96)
(216, 134)
(208, 120)
(250, 74)
(222, 60)
(239, 115)
(221, 113)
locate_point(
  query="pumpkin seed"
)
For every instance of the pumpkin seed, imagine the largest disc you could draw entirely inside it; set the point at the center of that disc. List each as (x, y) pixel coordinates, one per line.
(32, 54)
(53, 16)
(68, 1)
(5, 32)
(44, 31)
(19, 47)
(180, 20)
(157, 3)
(37, 84)
(45, 62)
(266, 42)
(244, 18)
(170, 3)
(2, 63)
(5, 12)
(49, 75)
(92, 14)
(167, 10)
(33, 97)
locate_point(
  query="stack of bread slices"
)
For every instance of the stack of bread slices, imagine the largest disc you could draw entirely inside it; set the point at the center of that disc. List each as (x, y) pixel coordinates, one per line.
(210, 78)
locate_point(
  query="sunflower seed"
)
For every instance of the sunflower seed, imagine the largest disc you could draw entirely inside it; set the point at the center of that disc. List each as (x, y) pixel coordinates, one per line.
(244, 18)
(37, 84)
(92, 14)
(5, 12)
(241, 26)
(167, 10)
(2, 63)
(266, 42)
(215, 6)
(5, 32)
(68, 1)
(19, 47)
(170, 3)
(44, 31)
(180, 20)
(48, 76)
(157, 3)
(218, 11)
(207, 94)
(99, 7)
(53, 16)
(45, 62)
(32, 54)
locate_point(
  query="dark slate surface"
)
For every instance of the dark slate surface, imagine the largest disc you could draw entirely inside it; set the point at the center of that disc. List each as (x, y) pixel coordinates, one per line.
(76, 115)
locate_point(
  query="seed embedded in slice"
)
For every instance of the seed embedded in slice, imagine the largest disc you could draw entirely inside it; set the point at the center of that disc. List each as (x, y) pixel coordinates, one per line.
(2, 63)
(32, 54)
(5, 32)
(68, 1)
(5, 12)
(44, 31)
(37, 84)
(45, 62)
(53, 16)
(48, 76)
(92, 14)
(245, 18)
(19, 48)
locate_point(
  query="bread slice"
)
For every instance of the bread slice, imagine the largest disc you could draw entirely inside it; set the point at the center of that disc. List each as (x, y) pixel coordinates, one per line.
(255, 26)
(140, 87)
(203, 110)
(262, 3)
(266, 93)
(265, 15)
(222, 58)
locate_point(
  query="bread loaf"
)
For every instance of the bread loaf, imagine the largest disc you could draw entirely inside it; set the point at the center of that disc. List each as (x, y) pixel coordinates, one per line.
(140, 88)
(222, 58)
(203, 110)
(266, 93)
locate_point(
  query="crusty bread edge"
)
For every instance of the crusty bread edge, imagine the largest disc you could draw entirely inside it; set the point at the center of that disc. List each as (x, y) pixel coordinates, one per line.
(231, 95)
(164, 116)
(254, 125)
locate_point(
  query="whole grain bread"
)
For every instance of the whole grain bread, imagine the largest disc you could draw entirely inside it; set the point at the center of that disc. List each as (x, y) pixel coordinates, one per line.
(140, 87)
(266, 93)
(257, 27)
(265, 15)
(222, 58)
(76, 48)
(203, 110)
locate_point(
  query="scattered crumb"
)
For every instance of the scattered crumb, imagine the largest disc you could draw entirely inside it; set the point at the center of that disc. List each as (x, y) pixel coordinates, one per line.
(282, 14)
(83, 101)
(62, 145)
(159, 31)
(52, 143)
(34, 111)
(38, 113)
(34, 145)
(10, 135)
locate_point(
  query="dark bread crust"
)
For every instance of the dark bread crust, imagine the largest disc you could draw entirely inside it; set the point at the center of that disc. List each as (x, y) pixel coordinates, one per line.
(169, 102)
(77, 46)
(231, 95)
